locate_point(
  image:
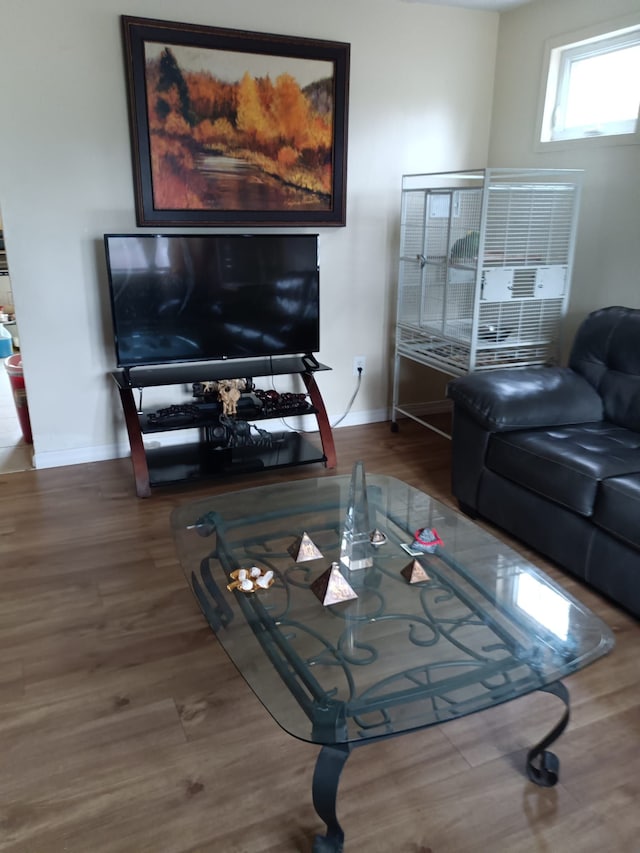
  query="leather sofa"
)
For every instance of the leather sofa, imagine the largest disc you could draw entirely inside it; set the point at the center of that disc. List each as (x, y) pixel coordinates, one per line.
(552, 454)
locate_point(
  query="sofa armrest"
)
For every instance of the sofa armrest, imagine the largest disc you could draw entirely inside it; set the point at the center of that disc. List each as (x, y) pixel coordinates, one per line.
(526, 398)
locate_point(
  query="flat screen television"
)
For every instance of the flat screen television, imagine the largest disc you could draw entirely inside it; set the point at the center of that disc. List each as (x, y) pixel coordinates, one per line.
(206, 297)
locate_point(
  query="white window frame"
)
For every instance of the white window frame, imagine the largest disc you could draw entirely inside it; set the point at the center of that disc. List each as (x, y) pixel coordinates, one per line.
(560, 52)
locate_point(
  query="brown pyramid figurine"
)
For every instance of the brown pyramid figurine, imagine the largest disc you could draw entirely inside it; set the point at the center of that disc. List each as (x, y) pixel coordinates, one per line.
(415, 573)
(332, 587)
(304, 549)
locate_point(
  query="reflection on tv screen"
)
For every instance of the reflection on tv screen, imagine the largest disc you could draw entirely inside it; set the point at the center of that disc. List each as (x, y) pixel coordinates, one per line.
(214, 296)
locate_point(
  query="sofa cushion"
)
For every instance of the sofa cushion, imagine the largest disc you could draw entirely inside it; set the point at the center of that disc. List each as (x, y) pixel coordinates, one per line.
(617, 508)
(566, 464)
(526, 398)
(606, 352)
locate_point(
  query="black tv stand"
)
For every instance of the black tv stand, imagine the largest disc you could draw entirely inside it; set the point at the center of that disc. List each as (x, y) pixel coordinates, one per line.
(207, 457)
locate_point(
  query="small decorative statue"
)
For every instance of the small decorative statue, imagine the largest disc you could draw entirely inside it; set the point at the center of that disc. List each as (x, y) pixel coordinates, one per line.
(229, 392)
(238, 433)
(426, 540)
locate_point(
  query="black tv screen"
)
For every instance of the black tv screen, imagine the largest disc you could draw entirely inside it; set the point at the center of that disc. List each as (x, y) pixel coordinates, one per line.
(184, 297)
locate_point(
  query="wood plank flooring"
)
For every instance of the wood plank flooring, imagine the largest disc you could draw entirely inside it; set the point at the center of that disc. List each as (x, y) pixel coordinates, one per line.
(125, 729)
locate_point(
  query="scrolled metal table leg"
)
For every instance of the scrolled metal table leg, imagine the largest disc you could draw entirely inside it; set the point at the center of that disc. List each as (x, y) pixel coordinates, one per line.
(542, 765)
(326, 776)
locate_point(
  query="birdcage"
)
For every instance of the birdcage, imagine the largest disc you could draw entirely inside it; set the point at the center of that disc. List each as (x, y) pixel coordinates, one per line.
(485, 268)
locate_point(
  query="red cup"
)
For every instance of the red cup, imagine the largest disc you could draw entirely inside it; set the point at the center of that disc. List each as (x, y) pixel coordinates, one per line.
(13, 365)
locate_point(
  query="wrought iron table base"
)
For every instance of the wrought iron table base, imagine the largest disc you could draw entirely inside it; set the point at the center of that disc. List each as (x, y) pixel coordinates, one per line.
(542, 768)
(326, 776)
(542, 765)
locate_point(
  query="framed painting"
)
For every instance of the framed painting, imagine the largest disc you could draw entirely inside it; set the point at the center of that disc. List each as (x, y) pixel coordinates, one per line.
(231, 127)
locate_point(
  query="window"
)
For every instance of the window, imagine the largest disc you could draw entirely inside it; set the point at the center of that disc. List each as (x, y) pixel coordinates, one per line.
(593, 87)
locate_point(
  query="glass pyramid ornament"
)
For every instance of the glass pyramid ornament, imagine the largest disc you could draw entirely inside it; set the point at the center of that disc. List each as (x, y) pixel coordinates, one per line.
(356, 551)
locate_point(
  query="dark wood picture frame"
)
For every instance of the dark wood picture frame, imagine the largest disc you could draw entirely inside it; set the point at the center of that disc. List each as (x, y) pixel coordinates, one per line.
(230, 127)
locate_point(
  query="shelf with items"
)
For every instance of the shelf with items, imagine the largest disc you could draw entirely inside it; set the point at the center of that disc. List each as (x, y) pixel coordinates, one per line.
(200, 460)
(175, 417)
(220, 443)
(4, 268)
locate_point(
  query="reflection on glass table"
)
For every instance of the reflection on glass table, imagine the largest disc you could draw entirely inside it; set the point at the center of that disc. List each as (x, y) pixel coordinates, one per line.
(482, 628)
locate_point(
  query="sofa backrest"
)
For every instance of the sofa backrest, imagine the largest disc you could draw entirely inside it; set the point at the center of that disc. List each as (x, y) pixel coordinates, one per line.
(606, 351)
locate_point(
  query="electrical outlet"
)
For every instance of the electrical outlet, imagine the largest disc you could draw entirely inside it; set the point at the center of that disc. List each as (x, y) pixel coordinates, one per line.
(359, 363)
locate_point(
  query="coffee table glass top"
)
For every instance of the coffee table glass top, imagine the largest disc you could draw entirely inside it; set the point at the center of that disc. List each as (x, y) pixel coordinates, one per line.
(483, 627)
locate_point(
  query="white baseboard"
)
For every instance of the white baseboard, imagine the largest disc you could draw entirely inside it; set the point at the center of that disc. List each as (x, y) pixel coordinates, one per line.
(373, 416)
(435, 407)
(78, 456)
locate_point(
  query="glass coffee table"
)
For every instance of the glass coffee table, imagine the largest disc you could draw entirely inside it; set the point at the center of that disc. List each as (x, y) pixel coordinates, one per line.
(425, 637)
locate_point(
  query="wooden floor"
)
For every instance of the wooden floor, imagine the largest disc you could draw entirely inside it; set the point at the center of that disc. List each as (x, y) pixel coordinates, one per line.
(124, 728)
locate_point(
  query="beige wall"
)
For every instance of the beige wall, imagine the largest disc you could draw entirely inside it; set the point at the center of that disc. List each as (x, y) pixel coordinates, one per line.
(607, 261)
(420, 100)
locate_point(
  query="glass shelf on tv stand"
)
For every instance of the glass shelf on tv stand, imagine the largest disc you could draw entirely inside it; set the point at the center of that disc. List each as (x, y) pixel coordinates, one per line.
(192, 460)
(208, 371)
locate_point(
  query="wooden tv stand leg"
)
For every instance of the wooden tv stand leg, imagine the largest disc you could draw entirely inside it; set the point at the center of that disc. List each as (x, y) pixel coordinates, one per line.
(138, 455)
(326, 435)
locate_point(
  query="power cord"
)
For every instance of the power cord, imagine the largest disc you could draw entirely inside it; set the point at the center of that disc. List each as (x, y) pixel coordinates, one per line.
(351, 401)
(346, 411)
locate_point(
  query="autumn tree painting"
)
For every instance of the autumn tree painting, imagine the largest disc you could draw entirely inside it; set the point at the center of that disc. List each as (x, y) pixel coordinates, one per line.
(256, 141)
